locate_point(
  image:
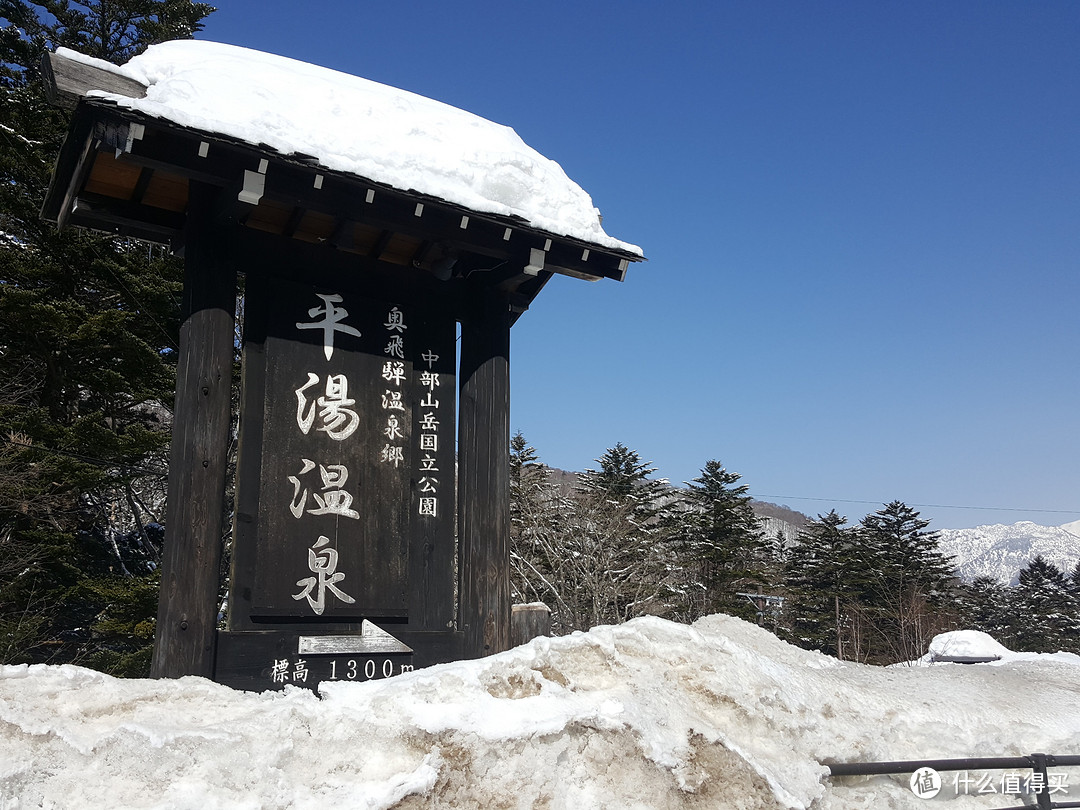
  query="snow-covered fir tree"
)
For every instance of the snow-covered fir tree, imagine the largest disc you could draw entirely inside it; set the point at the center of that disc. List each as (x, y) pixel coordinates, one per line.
(909, 584)
(88, 329)
(1045, 611)
(821, 579)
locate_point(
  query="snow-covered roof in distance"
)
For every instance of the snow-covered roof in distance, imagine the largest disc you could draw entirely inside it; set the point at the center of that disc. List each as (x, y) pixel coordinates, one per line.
(360, 127)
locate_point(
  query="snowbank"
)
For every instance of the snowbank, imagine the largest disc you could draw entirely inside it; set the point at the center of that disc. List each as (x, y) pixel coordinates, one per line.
(361, 127)
(973, 645)
(966, 644)
(649, 714)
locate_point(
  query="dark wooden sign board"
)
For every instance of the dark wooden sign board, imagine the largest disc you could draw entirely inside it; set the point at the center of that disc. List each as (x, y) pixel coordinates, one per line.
(346, 483)
(350, 509)
(351, 430)
(262, 660)
(376, 334)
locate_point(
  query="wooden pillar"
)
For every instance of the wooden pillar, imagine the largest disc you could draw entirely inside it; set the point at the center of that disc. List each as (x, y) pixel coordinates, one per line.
(187, 605)
(529, 621)
(484, 476)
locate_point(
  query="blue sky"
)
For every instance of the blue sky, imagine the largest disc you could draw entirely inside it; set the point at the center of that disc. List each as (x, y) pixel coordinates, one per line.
(862, 222)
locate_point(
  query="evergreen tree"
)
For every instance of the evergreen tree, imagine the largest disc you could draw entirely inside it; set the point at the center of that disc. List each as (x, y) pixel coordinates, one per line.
(722, 544)
(1074, 580)
(619, 527)
(1046, 613)
(88, 329)
(909, 582)
(523, 457)
(621, 475)
(777, 549)
(594, 555)
(526, 475)
(905, 553)
(1039, 572)
(823, 579)
(985, 604)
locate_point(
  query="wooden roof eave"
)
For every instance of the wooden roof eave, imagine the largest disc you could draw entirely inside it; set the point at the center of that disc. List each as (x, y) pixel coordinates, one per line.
(250, 174)
(67, 81)
(69, 173)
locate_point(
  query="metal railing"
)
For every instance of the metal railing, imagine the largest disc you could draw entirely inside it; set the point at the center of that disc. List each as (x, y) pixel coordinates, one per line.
(1037, 763)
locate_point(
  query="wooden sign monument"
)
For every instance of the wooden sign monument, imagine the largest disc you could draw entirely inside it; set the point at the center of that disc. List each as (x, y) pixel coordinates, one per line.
(370, 528)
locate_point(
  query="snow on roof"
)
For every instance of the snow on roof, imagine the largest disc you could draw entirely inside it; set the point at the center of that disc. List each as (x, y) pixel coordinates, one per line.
(648, 714)
(360, 127)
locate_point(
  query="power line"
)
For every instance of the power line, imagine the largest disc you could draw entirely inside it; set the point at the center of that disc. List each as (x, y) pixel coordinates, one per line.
(927, 505)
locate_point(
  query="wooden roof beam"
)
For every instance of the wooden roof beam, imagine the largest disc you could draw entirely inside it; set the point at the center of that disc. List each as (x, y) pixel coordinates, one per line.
(341, 238)
(295, 218)
(142, 184)
(319, 189)
(68, 80)
(85, 163)
(380, 245)
(120, 216)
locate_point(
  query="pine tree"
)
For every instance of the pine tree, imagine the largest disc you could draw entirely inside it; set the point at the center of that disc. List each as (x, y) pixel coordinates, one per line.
(909, 582)
(722, 544)
(523, 456)
(594, 555)
(619, 528)
(1046, 614)
(88, 329)
(908, 555)
(619, 498)
(986, 605)
(622, 475)
(525, 475)
(1074, 580)
(823, 578)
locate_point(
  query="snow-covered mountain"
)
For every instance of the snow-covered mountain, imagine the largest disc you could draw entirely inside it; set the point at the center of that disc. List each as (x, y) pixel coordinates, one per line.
(779, 520)
(1000, 551)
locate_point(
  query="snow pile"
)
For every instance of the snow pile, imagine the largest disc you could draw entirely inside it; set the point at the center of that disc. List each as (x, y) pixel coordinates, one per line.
(967, 644)
(361, 127)
(649, 714)
(974, 644)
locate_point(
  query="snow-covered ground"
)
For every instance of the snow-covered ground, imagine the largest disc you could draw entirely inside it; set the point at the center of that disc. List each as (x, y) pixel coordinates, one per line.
(648, 714)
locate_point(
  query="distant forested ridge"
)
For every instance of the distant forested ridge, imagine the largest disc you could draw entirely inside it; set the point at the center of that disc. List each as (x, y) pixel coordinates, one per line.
(612, 542)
